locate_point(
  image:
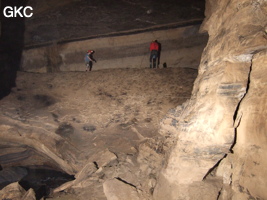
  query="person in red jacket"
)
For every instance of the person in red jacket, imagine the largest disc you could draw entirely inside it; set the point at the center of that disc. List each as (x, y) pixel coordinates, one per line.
(154, 54)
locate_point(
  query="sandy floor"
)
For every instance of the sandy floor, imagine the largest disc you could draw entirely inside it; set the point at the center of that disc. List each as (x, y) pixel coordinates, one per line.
(107, 98)
(99, 103)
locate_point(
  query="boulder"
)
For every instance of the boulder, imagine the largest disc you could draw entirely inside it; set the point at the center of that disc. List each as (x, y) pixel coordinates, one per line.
(115, 189)
(15, 192)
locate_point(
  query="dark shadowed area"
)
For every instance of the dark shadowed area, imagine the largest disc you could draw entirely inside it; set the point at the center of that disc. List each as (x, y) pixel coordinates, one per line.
(71, 19)
(11, 46)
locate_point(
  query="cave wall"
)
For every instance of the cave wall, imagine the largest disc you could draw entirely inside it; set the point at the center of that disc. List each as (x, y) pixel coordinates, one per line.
(180, 47)
(221, 130)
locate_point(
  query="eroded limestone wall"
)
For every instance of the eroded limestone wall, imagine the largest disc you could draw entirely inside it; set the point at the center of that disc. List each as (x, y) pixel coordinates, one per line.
(222, 129)
(180, 47)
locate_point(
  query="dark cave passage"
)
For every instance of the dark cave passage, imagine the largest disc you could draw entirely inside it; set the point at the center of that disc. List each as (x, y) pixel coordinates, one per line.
(43, 181)
(31, 169)
(11, 46)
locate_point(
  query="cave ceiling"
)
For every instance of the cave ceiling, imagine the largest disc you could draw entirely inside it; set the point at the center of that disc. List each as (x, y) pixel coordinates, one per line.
(72, 19)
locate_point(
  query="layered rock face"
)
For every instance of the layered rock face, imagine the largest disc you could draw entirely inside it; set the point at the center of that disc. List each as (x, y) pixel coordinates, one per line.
(220, 133)
(180, 47)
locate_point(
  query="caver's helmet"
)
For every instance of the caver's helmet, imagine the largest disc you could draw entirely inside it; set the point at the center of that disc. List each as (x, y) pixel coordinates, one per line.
(90, 51)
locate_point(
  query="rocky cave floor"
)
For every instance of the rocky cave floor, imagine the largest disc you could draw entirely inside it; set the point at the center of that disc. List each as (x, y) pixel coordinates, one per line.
(109, 116)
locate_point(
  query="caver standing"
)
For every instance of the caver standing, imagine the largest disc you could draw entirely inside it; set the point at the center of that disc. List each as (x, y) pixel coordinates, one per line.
(154, 54)
(88, 59)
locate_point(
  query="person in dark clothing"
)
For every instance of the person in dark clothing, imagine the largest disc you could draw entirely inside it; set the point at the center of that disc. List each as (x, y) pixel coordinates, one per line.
(154, 54)
(88, 59)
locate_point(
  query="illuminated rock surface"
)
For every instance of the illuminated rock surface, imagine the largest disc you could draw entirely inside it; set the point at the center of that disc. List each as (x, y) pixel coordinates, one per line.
(225, 117)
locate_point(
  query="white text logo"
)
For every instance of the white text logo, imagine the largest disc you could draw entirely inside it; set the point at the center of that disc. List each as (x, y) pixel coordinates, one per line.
(17, 12)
